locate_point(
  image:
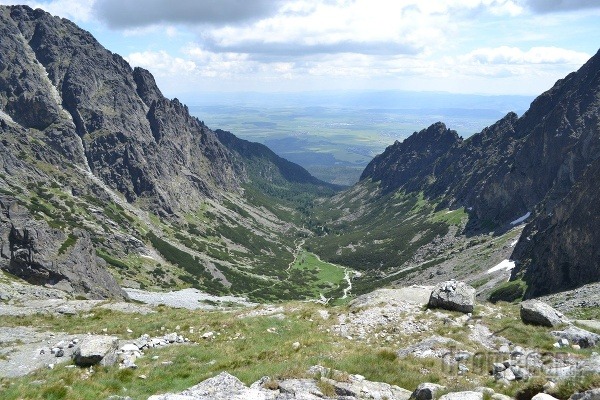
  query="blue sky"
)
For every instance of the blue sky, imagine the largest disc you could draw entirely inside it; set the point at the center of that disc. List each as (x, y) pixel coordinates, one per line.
(460, 46)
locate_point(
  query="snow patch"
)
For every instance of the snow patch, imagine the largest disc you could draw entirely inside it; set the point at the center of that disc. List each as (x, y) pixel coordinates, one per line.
(505, 265)
(6, 117)
(521, 219)
(514, 243)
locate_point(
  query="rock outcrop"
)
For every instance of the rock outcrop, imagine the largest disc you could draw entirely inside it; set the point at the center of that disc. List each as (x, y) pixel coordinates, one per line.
(96, 350)
(537, 312)
(226, 386)
(39, 254)
(592, 394)
(426, 391)
(407, 164)
(578, 336)
(453, 296)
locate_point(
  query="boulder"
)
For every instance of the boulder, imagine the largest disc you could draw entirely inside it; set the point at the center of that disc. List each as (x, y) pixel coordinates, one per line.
(537, 312)
(96, 350)
(543, 396)
(453, 296)
(578, 336)
(221, 387)
(506, 374)
(225, 386)
(426, 391)
(129, 348)
(593, 394)
(463, 396)
(432, 347)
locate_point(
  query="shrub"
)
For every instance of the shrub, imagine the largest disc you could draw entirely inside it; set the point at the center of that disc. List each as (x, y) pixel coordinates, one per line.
(112, 261)
(508, 291)
(71, 240)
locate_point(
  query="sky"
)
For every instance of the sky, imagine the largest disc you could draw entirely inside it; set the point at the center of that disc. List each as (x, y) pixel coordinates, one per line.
(457, 46)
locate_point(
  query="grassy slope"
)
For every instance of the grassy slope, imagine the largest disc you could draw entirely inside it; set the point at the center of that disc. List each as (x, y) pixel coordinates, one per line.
(404, 239)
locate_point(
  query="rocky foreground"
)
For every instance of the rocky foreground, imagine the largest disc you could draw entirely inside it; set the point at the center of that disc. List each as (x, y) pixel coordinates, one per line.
(436, 342)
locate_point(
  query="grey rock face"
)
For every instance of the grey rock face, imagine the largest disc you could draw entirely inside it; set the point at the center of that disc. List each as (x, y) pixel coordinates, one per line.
(454, 296)
(537, 312)
(96, 350)
(405, 164)
(578, 336)
(559, 249)
(58, 79)
(41, 255)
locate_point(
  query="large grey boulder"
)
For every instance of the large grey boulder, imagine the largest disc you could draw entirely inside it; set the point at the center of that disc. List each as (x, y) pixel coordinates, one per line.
(453, 296)
(463, 396)
(593, 394)
(96, 350)
(426, 391)
(578, 336)
(221, 387)
(537, 312)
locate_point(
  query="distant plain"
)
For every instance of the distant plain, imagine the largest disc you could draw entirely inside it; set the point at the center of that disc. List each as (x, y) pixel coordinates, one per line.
(335, 134)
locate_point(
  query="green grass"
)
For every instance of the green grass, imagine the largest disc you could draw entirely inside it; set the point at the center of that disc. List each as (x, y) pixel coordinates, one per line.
(450, 217)
(510, 291)
(510, 326)
(315, 273)
(111, 260)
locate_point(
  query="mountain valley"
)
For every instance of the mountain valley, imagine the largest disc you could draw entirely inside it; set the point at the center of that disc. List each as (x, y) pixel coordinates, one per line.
(124, 218)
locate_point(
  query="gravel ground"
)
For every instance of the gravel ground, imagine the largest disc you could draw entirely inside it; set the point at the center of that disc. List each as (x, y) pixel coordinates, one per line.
(192, 299)
(585, 296)
(20, 349)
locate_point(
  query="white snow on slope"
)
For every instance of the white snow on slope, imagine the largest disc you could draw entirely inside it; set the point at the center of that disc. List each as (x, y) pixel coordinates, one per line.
(521, 219)
(505, 265)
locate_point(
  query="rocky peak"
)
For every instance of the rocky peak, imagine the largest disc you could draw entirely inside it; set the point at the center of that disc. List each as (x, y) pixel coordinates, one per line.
(146, 86)
(410, 161)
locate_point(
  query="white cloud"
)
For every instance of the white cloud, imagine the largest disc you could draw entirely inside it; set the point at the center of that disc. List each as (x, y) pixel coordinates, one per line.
(318, 44)
(75, 10)
(161, 63)
(360, 26)
(516, 56)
